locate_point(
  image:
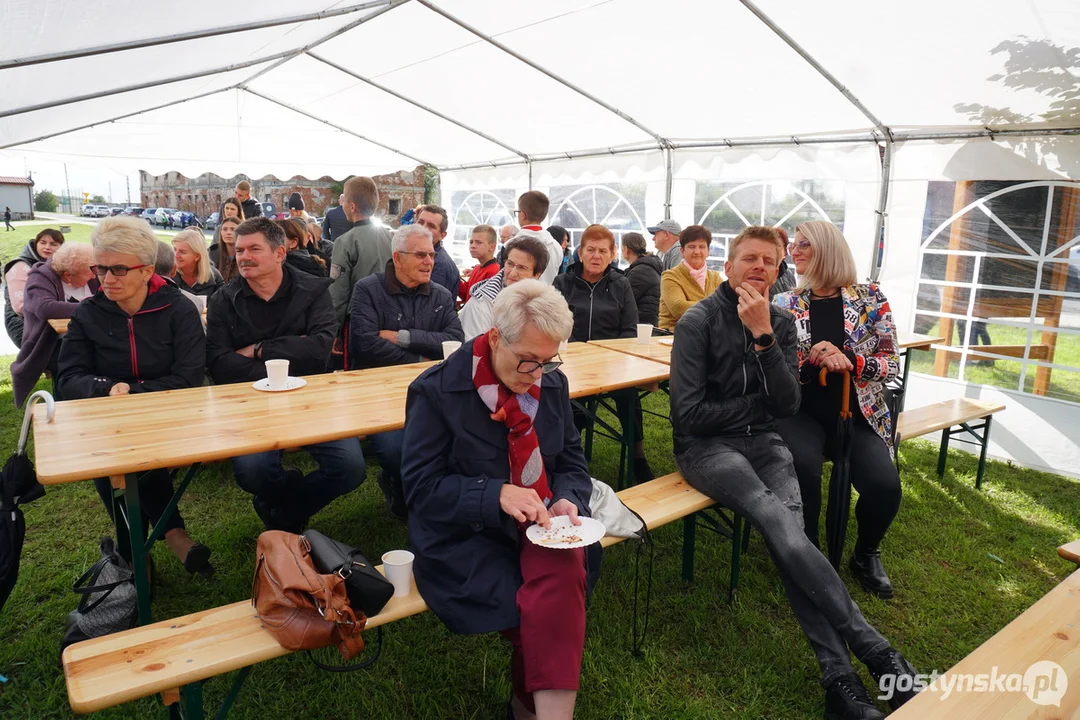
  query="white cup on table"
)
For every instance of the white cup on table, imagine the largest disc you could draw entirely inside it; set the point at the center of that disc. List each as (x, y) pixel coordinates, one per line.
(397, 566)
(277, 373)
(448, 347)
(644, 332)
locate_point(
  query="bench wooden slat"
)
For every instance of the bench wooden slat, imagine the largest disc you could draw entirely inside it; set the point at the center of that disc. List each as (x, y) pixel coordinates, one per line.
(942, 415)
(1071, 551)
(144, 661)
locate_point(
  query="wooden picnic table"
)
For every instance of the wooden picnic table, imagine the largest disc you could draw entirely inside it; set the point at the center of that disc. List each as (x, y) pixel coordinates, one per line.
(1047, 631)
(129, 434)
(915, 341)
(60, 325)
(657, 349)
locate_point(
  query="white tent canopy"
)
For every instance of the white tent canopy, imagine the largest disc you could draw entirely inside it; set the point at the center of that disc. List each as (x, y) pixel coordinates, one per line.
(314, 87)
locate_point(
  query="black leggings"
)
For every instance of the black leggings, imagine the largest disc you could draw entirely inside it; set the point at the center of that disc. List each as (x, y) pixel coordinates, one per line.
(155, 492)
(873, 473)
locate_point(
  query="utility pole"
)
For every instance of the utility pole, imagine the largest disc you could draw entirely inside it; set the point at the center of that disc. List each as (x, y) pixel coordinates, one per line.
(110, 191)
(71, 207)
(127, 179)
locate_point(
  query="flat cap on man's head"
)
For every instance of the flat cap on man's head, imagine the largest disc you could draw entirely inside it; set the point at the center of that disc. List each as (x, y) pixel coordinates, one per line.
(670, 225)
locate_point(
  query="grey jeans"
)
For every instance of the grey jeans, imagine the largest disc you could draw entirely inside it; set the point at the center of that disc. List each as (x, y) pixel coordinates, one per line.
(754, 476)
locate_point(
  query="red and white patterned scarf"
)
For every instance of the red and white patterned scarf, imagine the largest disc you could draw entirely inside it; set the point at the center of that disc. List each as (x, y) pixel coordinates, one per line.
(517, 412)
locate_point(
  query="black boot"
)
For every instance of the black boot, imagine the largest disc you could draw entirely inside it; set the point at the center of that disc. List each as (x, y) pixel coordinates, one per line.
(846, 699)
(866, 567)
(890, 662)
(395, 496)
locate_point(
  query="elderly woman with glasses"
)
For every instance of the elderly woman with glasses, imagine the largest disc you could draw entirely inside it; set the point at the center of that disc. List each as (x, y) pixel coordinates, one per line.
(492, 450)
(138, 335)
(842, 326)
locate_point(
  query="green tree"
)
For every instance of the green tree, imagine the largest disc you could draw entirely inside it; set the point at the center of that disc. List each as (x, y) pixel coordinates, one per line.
(45, 201)
(98, 200)
(431, 185)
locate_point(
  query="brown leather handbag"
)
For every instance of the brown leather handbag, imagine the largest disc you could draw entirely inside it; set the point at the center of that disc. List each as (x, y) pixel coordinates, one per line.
(302, 608)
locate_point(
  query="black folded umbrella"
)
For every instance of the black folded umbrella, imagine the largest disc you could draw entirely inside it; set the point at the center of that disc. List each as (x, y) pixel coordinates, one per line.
(839, 507)
(18, 486)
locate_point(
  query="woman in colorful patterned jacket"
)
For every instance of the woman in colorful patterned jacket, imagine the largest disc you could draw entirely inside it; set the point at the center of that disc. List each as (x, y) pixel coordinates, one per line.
(843, 325)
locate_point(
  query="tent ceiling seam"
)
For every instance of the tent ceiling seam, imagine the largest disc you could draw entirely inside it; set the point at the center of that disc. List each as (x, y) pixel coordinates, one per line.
(419, 105)
(192, 35)
(339, 128)
(660, 140)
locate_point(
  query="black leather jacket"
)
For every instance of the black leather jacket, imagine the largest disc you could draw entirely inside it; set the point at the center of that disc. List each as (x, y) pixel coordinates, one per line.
(720, 385)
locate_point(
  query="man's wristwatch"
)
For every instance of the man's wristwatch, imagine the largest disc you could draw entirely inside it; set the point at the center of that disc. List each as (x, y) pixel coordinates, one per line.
(764, 340)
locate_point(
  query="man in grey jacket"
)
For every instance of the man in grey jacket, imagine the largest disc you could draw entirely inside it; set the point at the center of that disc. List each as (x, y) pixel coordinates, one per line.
(361, 251)
(666, 240)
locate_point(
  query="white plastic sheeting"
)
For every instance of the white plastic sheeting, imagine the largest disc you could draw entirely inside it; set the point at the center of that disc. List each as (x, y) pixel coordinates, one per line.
(632, 73)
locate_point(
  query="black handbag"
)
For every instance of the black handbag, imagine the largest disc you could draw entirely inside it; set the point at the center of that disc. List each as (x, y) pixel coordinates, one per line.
(108, 599)
(368, 590)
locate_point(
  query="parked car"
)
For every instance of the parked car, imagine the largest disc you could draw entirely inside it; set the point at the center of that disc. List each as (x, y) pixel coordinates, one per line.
(135, 211)
(149, 215)
(162, 216)
(212, 221)
(116, 211)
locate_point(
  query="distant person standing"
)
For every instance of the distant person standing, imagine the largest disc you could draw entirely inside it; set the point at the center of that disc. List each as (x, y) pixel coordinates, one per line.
(666, 240)
(7, 219)
(296, 207)
(533, 209)
(363, 250)
(336, 223)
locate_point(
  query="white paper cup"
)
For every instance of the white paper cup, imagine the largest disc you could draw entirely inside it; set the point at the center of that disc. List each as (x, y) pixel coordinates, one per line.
(448, 347)
(397, 565)
(277, 372)
(644, 332)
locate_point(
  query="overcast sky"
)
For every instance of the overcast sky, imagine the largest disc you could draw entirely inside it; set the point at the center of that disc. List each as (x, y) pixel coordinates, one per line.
(83, 177)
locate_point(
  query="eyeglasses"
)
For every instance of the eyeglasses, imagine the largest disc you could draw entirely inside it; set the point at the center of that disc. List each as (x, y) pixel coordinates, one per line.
(421, 255)
(802, 245)
(528, 367)
(117, 270)
(508, 265)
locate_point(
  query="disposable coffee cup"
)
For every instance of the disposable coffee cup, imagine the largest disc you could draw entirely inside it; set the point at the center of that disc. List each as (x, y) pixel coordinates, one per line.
(448, 347)
(644, 332)
(277, 373)
(397, 565)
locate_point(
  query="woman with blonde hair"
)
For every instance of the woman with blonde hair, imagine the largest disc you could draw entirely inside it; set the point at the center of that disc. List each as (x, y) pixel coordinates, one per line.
(689, 282)
(138, 335)
(194, 273)
(843, 325)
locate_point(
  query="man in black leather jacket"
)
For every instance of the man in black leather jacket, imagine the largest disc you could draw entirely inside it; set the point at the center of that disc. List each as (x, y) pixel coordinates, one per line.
(734, 368)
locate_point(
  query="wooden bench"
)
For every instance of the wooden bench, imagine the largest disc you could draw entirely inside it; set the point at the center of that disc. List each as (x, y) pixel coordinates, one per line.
(1071, 551)
(174, 657)
(952, 417)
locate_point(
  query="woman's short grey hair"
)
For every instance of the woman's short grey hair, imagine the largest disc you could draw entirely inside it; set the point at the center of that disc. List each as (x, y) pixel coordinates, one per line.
(531, 302)
(403, 233)
(126, 235)
(832, 264)
(71, 257)
(195, 240)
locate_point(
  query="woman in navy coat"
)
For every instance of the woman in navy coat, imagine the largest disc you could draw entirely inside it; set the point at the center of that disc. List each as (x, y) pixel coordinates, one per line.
(474, 567)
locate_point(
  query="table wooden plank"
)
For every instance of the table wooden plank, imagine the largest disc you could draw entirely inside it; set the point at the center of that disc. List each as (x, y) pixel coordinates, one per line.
(100, 437)
(1070, 551)
(60, 325)
(654, 349)
(914, 341)
(1048, 630)
(945, 414)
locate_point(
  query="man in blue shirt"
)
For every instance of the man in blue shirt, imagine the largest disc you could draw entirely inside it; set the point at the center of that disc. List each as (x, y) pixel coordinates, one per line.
(446, 273)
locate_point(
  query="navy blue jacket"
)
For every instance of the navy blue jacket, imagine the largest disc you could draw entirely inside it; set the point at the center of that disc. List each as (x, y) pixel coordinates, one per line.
(467, 566)
(380, 302)
(335, 224)
(445, 272)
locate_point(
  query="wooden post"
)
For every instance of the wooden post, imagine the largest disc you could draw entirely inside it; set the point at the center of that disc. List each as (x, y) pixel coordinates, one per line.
(1059, 273)
(955, 267)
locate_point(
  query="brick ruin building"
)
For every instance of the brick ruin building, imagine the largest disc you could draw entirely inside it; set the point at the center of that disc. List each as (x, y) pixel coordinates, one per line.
(204, 194)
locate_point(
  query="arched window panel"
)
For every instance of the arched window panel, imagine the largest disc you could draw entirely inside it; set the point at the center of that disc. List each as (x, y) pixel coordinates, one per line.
(469, 208)
(620, 207)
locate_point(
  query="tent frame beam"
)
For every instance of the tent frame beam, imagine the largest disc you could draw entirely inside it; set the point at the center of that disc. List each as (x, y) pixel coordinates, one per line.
(805, 55)
(339, 128)
(414, 103)
(193, 35)
(660, 140)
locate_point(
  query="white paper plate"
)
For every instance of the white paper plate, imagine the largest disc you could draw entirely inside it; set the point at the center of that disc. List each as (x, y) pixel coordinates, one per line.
(291, 384)
(667, 341)
(561, 533)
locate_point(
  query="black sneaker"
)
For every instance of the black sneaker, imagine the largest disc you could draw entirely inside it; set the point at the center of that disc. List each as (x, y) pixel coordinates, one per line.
(847, 699)
(395, 499)
(890, 662)
(866, 566)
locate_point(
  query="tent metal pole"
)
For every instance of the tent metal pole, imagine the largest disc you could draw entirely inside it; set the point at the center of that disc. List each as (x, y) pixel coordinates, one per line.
(984, 133)
(668, 152)
(145, 85)
(345, 130)
(535, 66)
(816, 65)
(416, 104)
(883, 201)
(171, 103)
(193, 35)
(529, 162)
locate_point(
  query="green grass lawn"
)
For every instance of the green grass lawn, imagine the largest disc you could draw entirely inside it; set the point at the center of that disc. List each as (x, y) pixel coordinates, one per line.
(12, 243)
(964, 563)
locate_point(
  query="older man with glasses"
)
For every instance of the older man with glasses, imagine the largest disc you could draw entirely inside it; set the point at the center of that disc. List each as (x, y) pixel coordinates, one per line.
(492, 450)
(397, 317)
